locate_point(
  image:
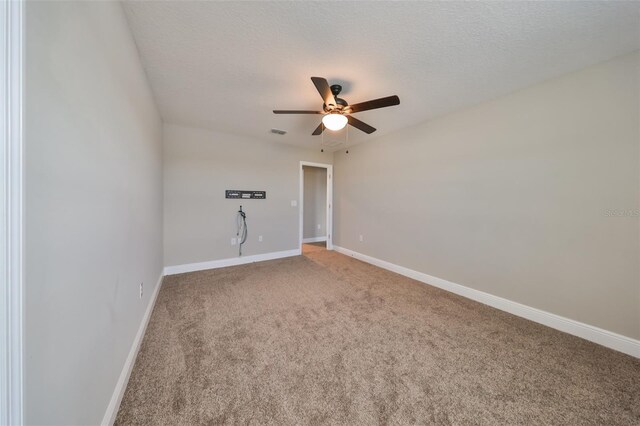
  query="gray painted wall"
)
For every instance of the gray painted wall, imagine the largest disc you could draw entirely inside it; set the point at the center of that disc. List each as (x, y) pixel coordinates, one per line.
(199, 222)
(93, 206)
(315, 202)
(532, 197)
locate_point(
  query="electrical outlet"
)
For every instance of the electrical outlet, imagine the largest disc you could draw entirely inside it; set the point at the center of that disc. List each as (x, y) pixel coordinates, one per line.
(260, 238)
(233, 241)
(361, 239)
(319, 226)
(294, 203)
(141, 289)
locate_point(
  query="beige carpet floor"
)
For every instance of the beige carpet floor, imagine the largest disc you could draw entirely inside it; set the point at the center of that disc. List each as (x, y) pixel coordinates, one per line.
(326, 339)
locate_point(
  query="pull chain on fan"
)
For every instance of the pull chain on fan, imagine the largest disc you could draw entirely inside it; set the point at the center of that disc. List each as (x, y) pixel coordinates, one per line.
(346, 142)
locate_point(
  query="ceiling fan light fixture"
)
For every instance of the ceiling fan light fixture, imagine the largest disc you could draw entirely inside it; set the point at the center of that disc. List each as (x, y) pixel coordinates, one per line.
(334, 121)
(335, 108)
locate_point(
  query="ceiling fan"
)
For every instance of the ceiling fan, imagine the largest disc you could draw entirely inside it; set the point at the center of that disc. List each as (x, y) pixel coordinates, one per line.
(337, 112)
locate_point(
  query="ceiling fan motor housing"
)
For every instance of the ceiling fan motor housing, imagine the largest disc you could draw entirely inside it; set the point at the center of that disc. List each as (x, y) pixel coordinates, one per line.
(340, 103)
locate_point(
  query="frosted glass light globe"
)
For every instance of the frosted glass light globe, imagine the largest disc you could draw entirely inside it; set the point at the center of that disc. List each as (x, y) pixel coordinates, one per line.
(334, 121)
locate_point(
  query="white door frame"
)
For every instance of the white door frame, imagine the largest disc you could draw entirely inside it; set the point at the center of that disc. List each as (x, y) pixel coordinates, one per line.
(11, 213)
(329, 224)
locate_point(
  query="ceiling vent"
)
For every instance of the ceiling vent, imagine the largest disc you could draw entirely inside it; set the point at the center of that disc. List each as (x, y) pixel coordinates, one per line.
(278, 131)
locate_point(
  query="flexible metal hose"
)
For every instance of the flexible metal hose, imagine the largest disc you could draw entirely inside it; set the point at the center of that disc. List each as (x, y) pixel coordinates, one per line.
(241, 233)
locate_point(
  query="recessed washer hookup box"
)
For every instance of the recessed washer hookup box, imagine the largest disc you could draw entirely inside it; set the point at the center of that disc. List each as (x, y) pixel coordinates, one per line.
(245, 195)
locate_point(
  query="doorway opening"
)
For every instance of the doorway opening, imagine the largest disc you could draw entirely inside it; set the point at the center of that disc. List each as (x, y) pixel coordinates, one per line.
(316, 199)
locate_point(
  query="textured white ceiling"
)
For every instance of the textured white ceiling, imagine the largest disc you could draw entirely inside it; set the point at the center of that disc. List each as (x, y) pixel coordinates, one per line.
(227, 65)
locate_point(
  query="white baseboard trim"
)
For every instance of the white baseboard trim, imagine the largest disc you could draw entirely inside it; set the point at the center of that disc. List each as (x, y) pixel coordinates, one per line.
(314, 239)
(112, 410)
(213, 264)
(597, 335)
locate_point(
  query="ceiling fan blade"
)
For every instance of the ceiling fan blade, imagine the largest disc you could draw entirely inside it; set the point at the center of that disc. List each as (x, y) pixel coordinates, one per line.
(293, 111)
(318, 130)
(325, 91)
(360, 125)
(374, 104)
